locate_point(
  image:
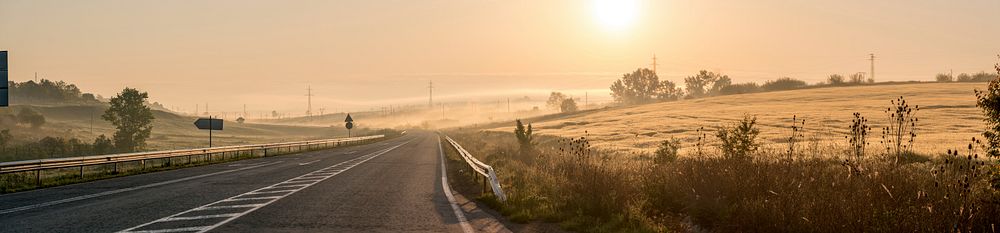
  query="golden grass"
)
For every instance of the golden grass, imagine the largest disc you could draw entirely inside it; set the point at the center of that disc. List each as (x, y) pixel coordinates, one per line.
(948, 117)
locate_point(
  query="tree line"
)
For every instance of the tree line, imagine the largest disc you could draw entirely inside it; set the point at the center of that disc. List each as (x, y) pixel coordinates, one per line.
(47, 91)
(964, 77)
(644, 86)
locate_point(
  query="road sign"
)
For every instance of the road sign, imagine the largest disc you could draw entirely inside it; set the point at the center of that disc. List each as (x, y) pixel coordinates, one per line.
(349, 125)
(209, 123)
(4, 91)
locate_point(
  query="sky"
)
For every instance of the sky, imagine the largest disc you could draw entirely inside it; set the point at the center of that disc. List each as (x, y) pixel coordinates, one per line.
(360, 54)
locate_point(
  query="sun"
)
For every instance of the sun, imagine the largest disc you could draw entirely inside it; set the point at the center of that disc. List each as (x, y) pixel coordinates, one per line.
(615, 14)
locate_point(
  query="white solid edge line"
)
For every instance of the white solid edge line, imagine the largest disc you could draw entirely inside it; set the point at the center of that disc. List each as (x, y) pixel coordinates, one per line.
(89, 196)
(462, 221)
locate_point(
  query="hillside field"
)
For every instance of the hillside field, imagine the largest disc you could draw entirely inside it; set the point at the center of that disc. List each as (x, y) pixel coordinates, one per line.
(948, 117)
(170, 131)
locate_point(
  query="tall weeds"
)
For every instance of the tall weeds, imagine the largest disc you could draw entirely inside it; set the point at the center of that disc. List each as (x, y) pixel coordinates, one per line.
(750, 190)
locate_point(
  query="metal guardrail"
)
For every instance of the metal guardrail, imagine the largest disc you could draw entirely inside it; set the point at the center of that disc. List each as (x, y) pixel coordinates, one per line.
(485, 170)
(71, 162)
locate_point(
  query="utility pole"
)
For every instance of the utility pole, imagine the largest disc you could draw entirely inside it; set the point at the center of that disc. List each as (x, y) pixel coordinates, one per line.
(508, 104)
(309, 108)
(430, 95)
(654, 63)
(244, 110)
(872, 59)
(586, 95)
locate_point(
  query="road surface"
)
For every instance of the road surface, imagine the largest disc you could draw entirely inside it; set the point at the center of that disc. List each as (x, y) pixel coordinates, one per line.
(388, 186)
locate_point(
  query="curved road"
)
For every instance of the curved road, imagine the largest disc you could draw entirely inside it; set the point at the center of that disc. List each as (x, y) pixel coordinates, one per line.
(388, 186)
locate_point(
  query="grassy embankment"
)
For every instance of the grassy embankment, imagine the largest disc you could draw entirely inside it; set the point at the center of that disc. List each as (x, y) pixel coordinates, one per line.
(823, 187)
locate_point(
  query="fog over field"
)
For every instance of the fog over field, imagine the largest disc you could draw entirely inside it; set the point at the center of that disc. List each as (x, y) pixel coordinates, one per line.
(359, 55)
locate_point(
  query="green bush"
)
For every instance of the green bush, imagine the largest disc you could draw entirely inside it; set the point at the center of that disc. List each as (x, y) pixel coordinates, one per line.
(739, 140)
(667, 152)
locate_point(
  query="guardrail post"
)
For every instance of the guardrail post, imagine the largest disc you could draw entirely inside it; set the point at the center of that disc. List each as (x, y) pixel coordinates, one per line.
(38, 177)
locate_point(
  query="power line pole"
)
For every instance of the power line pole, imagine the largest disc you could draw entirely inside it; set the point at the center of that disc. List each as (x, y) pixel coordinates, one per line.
(872, 59)
(430, 95)
(654, 63)
(309, 95)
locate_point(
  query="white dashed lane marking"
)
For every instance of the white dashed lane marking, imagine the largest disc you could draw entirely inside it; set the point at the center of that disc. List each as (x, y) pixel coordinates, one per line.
(247, 202)
(101, 194)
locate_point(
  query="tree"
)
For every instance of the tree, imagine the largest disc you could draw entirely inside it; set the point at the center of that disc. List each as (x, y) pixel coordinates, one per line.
(30, 117)
(983, 77)
(944, 78)
(568, 105)
(555, 100)
(524, 137)
(703, 84)
(858, 78)
(240, 120)
(132, 118)
(274, 114)
(669, 91)
(989, 101)
(638, 87)
(963, 77)
(719, 84)
(103, 145)
(835, 79)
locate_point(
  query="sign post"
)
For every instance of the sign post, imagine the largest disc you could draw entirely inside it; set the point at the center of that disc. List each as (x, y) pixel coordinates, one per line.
(349, 125)
(210, 124)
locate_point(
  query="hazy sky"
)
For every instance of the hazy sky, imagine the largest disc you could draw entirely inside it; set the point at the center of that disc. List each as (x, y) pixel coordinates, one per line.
(364, 53)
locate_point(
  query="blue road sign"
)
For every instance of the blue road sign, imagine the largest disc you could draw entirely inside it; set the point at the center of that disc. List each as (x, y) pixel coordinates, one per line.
(209, 123)
(4, 91)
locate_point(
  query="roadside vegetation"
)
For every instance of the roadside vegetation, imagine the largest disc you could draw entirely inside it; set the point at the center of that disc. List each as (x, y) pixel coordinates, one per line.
(730, 180)
(22, 181)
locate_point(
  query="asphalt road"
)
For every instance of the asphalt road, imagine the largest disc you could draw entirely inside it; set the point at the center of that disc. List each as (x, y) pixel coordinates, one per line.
(389, 186)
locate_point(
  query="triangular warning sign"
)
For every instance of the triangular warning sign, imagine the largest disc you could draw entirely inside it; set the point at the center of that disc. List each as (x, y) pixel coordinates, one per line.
(348, 118)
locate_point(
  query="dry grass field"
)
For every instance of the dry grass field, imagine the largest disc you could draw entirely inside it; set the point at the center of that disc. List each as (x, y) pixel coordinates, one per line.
(948, 117)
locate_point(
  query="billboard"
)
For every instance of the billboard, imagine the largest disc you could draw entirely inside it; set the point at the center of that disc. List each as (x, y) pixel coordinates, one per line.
(4, 91)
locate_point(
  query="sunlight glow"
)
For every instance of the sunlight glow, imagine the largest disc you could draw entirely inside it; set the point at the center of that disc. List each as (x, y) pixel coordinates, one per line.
(615, 14)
